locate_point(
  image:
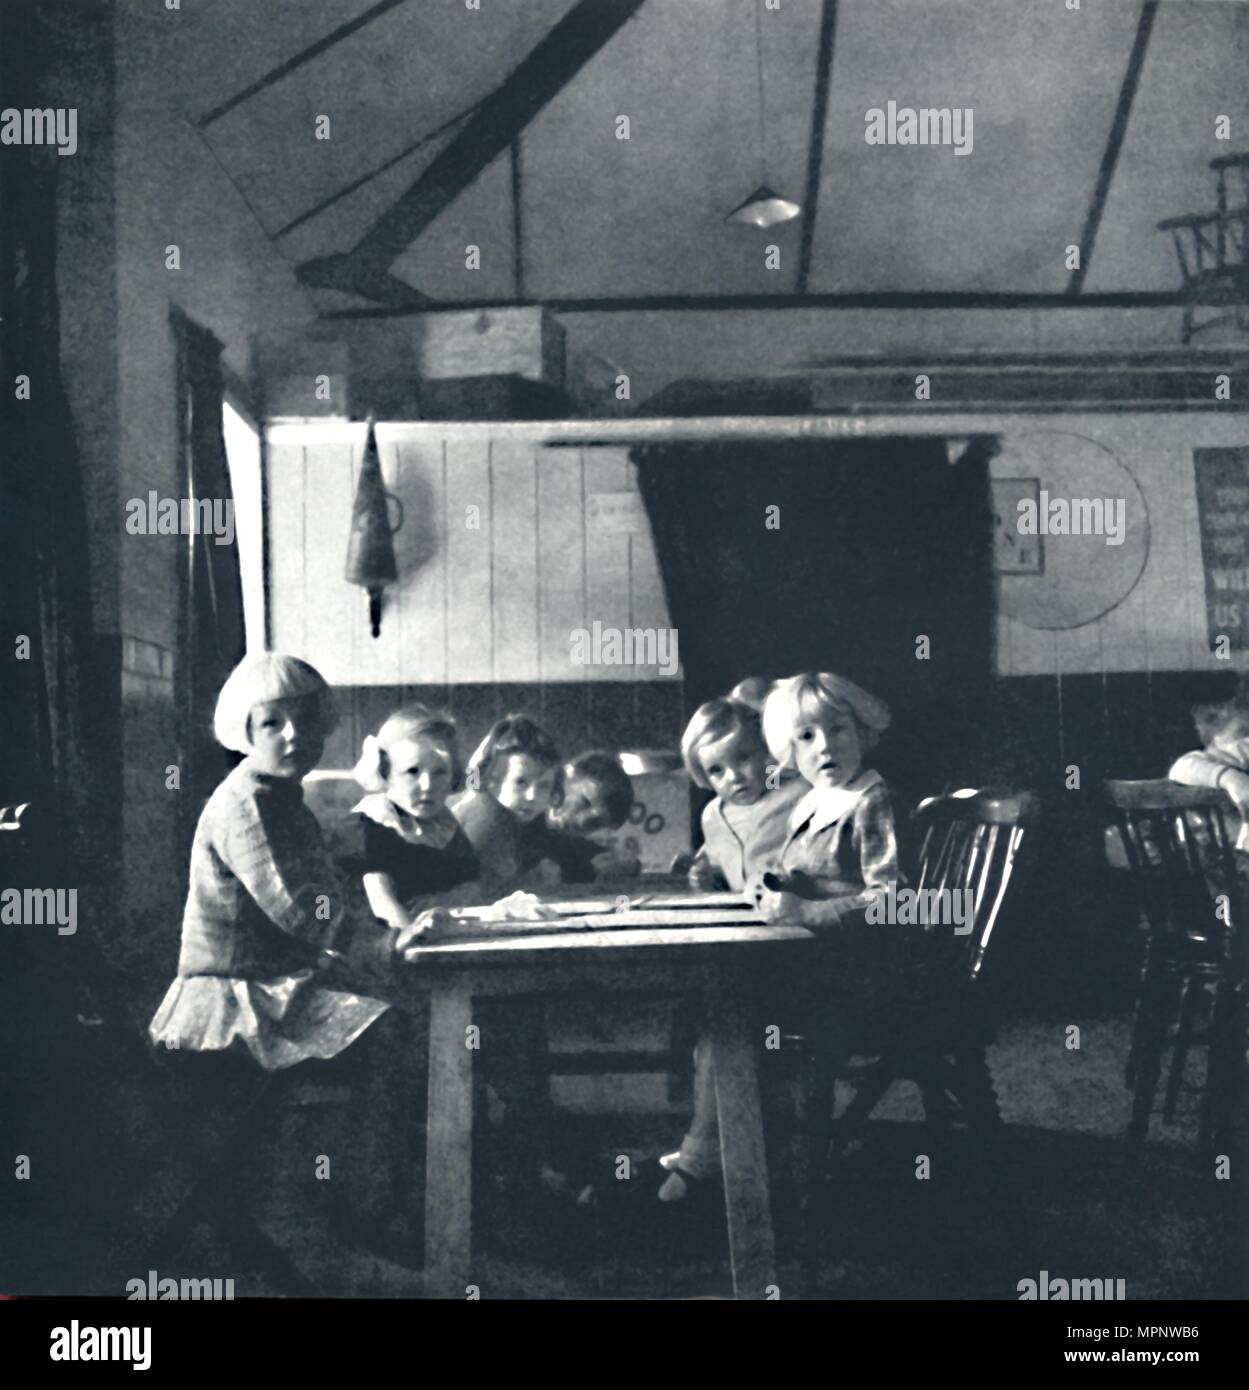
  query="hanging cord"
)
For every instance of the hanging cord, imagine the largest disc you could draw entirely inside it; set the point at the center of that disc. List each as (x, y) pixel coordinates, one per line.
(759, 80)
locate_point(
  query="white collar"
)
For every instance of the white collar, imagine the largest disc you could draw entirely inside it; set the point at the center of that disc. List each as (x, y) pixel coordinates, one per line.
(379, 808)
(825, 806)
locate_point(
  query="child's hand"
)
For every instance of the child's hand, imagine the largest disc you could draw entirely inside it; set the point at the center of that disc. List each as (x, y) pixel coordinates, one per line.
(1236, 784)
(422, 931)
(775, 906)
(704, 877)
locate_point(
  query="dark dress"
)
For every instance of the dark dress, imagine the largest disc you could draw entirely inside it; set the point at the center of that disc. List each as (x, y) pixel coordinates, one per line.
(391, 843)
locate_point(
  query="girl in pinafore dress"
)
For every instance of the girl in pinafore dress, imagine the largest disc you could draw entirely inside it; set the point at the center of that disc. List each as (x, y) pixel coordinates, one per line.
(414, 854)
(265, 911)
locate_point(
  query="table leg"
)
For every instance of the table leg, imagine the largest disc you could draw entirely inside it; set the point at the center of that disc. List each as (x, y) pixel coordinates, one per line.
(449, 1144)
(746, 1199)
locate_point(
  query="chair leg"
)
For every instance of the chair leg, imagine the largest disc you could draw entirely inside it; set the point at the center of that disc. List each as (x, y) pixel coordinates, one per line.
(972, 1084)
(1191, 995)
(1156, 983)
(1224, 1068)
(1152, 1011)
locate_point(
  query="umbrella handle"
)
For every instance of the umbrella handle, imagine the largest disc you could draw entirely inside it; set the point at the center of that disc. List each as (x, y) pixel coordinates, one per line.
(390, 497)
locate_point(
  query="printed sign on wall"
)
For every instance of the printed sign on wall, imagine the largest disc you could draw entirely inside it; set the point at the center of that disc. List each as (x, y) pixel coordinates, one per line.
(1223, 514)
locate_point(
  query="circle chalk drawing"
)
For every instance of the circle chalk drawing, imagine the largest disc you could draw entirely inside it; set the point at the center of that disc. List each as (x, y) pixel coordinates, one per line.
(1082, 576)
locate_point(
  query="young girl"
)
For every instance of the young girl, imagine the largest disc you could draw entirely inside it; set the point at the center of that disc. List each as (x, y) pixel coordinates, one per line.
(517, 776)
(265, 911)
(414, 852)
(744, 829)
(265, 915)
(842, 847)
(745, 826)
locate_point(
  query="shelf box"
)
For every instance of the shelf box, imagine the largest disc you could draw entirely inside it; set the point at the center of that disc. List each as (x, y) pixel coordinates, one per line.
(524, 342)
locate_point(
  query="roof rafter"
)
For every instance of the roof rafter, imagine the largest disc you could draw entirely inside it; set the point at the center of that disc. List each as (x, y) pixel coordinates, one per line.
(1114, 143)
(501, 116)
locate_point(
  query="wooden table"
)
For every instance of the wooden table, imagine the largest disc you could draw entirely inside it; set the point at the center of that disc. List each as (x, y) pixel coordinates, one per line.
(680, 948)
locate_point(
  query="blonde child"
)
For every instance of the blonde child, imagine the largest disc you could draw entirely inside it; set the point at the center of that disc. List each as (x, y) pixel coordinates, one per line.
(265, 917)
(744, 828)
(265, 911)
(746, 824)
(414, 852)
(842, 847)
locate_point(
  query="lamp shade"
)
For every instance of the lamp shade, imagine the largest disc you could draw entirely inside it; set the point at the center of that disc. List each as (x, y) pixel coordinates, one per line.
(764, 208)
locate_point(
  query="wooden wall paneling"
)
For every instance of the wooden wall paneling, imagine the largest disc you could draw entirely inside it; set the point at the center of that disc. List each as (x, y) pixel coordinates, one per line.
(607, 558)
(514, 538)
(648, 602)
(561, 562)
(421, 558)
(469, 630)
(286, 547)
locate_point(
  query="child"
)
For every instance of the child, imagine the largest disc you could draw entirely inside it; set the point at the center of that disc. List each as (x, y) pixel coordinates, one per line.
(517, 777)
(597, 796)
(842, 848)
(746, 824)
(414, 850)
(744, 829)
(517, 774)
(265, 910)
(266, 914)
(1224, 760)
(752, 691)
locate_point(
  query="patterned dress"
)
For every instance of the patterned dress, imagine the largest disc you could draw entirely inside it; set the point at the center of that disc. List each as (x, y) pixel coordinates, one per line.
(265, 915)
(844, 843)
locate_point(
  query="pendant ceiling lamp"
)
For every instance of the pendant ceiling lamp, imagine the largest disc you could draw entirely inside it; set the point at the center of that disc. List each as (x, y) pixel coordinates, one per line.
(765, 207)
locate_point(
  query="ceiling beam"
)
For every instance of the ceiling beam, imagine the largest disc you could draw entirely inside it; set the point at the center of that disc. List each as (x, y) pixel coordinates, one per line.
(305, 55)
(815, 145)
(1114, 143)
(502, 115)
(871, 299)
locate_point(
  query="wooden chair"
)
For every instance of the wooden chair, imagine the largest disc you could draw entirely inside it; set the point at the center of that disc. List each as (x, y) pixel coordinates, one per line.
(937, 1031)
(1192, 902)
(969, 844)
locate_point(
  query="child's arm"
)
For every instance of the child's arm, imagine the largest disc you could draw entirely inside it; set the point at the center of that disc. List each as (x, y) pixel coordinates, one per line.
(704, 876)
(380, 891)
(1206, 768)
